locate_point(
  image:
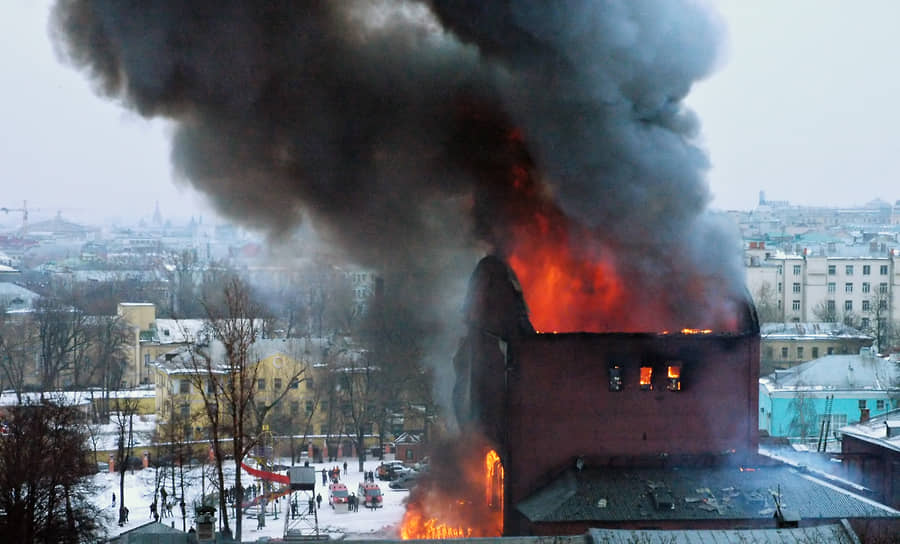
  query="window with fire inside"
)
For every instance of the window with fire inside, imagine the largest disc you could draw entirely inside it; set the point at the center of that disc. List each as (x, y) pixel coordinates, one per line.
(646, 377)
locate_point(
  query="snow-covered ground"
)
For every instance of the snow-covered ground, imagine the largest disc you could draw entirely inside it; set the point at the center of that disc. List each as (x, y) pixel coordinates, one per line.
(139, 488)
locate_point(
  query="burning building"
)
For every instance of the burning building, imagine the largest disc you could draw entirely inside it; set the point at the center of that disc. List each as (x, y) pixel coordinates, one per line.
(622, 399)
(568, 431)
(418, 135)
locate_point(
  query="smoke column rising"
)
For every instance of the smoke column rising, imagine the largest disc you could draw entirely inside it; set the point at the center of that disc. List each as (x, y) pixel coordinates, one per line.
(391, 125)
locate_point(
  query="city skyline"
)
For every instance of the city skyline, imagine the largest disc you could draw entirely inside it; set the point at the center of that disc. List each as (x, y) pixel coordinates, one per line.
(800, 108)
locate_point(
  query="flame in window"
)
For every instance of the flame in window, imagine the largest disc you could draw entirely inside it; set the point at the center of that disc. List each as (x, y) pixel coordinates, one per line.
(646, 378)
(674, 375)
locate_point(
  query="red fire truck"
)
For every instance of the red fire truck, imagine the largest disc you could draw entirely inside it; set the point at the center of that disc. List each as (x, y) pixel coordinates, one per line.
(338, 496)
(370, 495)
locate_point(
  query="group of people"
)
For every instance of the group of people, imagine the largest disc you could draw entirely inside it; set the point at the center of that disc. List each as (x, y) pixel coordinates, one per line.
(353, 503)
(334, 475)
(166, 510)
(313, 504)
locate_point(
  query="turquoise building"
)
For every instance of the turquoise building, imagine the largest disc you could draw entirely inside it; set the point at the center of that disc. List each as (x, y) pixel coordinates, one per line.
(794, 403)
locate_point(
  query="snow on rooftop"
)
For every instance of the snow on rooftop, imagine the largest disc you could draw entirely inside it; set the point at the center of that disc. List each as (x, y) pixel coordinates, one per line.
(178, 331)
(878, 429)
(808, 331)
(74, 398)
(838, 372)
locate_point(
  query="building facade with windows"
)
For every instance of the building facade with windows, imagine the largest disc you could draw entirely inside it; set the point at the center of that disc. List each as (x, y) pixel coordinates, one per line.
(179, 375)
(299, 391)
(784, 345)
(842, 389)
(864, 291)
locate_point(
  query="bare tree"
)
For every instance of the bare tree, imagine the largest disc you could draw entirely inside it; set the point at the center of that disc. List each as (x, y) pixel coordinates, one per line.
(393, 335)
(826, 312)
(17, 340)
(879, 319)
(359, 385)
(125, 410)
(804, 417)
(44, 500)
(110, 341)
(766, 304)
(183, 278)
(61, 332)
(227, 382)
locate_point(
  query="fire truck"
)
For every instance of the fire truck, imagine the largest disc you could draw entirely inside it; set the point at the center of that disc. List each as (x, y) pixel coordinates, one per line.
(338, 497)
(370, 495)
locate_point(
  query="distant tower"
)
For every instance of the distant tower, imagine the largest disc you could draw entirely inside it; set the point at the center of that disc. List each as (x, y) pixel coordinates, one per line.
(157, 217)
(762, 198)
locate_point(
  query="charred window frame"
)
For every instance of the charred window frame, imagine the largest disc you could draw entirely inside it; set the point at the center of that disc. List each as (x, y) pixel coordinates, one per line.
(646, 380)
(673, 376)
(615, 377)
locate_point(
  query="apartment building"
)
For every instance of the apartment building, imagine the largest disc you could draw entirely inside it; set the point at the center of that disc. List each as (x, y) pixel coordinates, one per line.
(864, 291)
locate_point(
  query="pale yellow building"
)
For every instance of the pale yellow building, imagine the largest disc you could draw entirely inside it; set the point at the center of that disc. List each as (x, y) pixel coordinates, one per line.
(152, 337)
(296, 403)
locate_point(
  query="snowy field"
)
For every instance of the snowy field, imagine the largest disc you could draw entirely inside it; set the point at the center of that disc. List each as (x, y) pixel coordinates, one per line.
(139, 487)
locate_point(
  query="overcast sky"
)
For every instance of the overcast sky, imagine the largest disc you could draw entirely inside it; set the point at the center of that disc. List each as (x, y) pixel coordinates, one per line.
(805, 105)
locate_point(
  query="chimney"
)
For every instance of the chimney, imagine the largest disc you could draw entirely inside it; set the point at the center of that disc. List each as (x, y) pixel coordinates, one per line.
(781, 372)
(892, 429)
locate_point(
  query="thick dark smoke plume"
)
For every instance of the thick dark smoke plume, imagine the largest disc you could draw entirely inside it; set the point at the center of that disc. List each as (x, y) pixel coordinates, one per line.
(392, 125)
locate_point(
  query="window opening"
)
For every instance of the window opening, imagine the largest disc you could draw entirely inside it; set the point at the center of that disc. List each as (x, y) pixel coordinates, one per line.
(646, 378)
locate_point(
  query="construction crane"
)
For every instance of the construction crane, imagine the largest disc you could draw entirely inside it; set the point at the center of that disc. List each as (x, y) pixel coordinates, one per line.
(24, 210)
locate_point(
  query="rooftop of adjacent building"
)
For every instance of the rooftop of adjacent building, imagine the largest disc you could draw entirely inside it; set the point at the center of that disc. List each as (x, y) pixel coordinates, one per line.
(614, 494)
(313, 351)
(883, 430)
(863, 371)
(810, 331)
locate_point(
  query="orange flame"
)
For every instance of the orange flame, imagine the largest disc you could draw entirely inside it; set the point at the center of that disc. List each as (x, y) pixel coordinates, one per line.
(696, 331)
(574, 279)
(445, 517)
(646, 377)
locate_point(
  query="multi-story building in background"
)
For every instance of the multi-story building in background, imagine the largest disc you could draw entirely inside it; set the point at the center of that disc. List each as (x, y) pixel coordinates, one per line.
(825, 265)
(785, 345)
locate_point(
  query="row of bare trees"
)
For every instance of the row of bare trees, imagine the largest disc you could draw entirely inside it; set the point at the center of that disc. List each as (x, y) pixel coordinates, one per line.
(45, 493)
(58, 345)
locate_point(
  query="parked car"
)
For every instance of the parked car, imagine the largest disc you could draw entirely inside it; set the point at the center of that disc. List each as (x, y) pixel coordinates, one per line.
(392, 470)
(407, 481)
(370, 495)
(338, 496)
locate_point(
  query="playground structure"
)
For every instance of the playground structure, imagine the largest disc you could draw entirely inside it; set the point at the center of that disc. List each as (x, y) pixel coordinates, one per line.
(301, 523)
